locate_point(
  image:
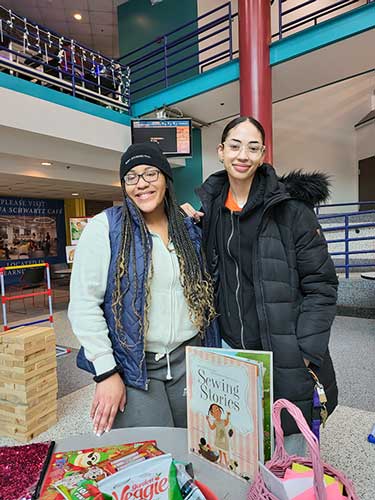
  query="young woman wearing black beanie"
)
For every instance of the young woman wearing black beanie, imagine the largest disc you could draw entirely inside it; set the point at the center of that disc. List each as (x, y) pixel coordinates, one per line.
(140, 293)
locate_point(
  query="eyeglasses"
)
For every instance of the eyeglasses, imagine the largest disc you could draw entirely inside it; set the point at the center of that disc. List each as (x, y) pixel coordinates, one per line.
(131, 179)
(252, 148)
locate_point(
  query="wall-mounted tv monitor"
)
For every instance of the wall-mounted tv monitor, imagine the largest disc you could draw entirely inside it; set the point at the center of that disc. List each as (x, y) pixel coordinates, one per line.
(173, 136)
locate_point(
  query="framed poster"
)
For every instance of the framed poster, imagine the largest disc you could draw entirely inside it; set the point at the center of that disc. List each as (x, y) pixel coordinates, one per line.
(30, 229)
(76, 226)
(70, 253)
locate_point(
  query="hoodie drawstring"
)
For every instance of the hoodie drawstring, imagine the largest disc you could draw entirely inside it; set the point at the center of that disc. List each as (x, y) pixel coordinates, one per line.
(158, 357)
(169, 374)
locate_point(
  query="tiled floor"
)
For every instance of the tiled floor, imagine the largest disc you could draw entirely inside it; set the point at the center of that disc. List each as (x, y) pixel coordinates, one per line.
(344, 444)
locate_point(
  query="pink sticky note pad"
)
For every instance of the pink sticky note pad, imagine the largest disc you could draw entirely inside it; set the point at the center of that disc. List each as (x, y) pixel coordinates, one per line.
(333, 493)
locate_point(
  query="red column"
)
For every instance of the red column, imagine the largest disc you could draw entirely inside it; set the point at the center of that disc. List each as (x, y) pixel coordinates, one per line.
(255, 71)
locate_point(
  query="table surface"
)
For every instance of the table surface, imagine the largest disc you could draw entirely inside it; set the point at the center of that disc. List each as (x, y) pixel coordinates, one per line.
(368, 276)
(225, 485)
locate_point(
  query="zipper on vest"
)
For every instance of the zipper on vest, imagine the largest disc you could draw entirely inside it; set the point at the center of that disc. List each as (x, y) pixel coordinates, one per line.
(238, 281)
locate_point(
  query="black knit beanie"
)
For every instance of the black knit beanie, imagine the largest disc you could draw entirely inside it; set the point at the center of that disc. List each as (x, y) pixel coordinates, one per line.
(145, 153)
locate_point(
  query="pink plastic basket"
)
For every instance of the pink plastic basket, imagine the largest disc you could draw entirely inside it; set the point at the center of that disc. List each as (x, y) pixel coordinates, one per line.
(281, 461)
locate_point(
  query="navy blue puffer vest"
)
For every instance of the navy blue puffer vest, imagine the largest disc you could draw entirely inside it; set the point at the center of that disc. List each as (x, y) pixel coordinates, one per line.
(130, 354)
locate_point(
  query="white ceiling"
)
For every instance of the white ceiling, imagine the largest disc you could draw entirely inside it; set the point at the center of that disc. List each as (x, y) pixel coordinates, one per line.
(27, 186)
(334, 63)
(97, 29)
(25, 176)
(337, 108)
(319, 68)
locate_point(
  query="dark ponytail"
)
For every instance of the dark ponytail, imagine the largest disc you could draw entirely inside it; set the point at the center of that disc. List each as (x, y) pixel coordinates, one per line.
(242, 119)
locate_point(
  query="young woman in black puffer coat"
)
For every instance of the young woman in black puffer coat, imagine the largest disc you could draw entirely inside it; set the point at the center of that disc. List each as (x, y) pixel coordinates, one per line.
(275, 282)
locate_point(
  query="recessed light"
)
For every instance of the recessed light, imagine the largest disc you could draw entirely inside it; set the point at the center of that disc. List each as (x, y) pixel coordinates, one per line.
(78, 16)
(75, 194)
(46, 163)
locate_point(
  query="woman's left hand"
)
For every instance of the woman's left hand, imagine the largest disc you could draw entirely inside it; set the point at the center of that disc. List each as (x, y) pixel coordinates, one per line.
(110, 397)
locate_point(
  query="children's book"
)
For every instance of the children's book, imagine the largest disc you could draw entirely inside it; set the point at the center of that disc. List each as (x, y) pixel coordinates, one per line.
(73, 474)
(229, 407)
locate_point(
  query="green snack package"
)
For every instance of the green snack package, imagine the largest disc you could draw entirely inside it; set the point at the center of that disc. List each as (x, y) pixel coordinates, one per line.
(174, 489)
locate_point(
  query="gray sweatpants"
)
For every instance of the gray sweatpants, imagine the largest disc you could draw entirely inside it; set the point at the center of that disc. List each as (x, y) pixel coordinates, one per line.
(164, 403)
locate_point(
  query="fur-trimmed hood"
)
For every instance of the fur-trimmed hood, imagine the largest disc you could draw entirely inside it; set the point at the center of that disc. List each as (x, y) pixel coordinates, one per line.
(311, 188)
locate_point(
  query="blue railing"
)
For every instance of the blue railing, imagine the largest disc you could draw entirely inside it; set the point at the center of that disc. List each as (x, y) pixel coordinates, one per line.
(308, 13)
(345, 225)
(187, 49)
(32, 52)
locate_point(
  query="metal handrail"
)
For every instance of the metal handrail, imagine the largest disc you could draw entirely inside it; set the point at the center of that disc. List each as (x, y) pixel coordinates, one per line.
(164, 54)
(355, 203)
(152, 61)
(176, 30)
(35, 53)
(108, 81)
(312, 18)
(345, 227)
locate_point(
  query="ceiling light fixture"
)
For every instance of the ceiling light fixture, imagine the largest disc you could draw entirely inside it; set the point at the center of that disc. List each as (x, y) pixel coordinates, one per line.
(78, 16)
(46, 163)
(75, 194)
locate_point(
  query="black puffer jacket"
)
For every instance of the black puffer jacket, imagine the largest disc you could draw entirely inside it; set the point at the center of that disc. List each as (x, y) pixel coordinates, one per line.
(294, 280)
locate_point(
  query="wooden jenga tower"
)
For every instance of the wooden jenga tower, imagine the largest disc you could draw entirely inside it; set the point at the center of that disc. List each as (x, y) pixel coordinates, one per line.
(28, 382)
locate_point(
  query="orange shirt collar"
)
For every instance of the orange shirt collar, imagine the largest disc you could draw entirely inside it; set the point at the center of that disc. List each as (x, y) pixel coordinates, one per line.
(231, 203)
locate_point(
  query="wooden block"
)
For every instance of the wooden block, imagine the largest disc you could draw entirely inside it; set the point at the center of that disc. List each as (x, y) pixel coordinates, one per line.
(23, 434)
(16, 424)
(23, 332)
(26, 335)
(26, 417)
(30, 418)
(19, 399)
(18, 395)
(9, 410)
(23, 375)
(28, 381)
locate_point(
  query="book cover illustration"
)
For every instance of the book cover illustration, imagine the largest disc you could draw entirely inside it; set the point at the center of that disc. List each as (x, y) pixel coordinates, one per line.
(266, 360)
(225, 409)
(73, 474)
